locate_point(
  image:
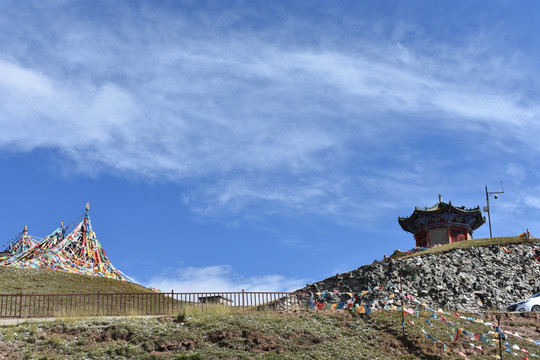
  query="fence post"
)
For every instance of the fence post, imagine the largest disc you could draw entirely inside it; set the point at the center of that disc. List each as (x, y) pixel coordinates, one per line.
(500, 337)
(243, 299)
(98, 306)
(172, 301)
(402, 304)
(20, 305)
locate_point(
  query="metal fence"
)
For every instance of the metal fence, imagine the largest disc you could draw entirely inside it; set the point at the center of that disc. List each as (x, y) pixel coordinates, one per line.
(127, 304)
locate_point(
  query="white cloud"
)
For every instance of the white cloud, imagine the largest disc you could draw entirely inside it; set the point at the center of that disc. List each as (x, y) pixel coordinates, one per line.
(221, 278)
(532, 201)
(294, 124)
(15, 78)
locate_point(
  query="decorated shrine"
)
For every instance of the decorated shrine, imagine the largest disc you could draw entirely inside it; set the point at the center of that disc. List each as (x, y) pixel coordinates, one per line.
(73, 248)
(442, 223)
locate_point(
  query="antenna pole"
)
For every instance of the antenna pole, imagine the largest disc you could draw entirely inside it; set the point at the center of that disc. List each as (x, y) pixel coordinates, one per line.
(487, 207)
(488, 194)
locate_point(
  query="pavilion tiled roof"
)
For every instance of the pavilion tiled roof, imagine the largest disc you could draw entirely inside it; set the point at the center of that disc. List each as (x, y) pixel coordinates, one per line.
(442, 212)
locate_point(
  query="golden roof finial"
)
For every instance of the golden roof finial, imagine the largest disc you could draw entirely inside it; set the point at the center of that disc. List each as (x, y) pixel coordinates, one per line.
(25, 229)
(61, 224)
(87, 206)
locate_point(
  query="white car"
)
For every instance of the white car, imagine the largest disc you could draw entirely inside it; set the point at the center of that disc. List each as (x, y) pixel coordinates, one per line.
(531, 304)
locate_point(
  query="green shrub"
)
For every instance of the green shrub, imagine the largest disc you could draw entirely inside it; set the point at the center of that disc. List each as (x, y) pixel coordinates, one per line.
(195, 356)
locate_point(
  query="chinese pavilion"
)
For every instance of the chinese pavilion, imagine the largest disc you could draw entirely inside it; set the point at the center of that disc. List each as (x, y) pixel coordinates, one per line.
(442, 223)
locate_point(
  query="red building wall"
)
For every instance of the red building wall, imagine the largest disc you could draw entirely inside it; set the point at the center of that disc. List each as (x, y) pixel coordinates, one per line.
(455, 234)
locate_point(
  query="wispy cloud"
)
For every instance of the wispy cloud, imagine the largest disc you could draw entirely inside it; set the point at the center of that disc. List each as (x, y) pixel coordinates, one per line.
(15, 78)
(221, 278)
(299, 126)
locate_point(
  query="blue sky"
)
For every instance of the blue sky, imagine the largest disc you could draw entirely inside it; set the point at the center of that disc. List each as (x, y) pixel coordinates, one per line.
(264, 145)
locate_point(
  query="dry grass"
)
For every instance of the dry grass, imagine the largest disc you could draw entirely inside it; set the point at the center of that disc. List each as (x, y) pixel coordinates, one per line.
(502, 241)
(38, 281)
(222, 334)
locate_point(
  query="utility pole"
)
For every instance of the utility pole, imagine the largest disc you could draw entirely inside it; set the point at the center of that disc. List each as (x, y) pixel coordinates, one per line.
(498, 313)
(486, 208)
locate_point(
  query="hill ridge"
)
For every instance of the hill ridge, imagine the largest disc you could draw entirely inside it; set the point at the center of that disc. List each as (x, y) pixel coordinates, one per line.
(472, 277)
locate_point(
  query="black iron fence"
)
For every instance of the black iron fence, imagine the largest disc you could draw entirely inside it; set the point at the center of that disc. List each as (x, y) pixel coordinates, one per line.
(127, 304)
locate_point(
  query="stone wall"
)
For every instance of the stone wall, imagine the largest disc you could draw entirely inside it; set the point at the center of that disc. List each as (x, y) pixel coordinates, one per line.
(473, 279)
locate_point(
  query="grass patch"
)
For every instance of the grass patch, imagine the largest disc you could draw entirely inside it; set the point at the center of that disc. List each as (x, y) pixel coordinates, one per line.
(251, 335)
(40, 281)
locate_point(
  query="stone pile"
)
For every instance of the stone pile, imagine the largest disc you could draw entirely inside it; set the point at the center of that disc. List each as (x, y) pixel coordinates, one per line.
(474, 280)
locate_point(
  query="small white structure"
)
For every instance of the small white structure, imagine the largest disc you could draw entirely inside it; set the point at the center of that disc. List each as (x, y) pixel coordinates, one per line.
(215, 299)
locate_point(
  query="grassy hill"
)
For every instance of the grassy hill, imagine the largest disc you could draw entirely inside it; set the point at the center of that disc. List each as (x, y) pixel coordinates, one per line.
(39, 281)
(259, 335)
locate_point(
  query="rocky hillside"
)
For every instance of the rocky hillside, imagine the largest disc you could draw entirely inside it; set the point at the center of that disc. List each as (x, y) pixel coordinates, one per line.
(467, 279)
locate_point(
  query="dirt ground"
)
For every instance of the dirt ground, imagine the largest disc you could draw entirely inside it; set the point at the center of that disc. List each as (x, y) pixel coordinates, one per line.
(526, 324)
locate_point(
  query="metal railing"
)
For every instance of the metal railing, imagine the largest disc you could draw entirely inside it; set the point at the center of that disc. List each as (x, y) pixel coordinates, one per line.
(131, 304)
